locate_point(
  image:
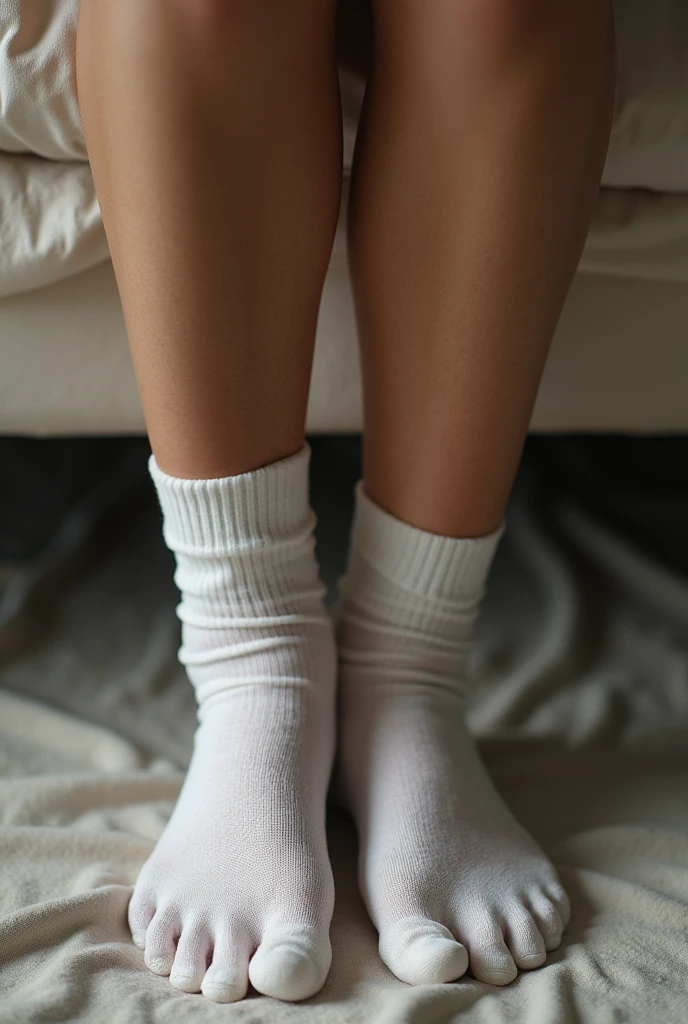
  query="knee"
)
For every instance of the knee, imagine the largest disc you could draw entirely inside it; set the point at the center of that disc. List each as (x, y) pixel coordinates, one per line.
(494, 31)
(495, 24)
(217, 17)
(497, 33)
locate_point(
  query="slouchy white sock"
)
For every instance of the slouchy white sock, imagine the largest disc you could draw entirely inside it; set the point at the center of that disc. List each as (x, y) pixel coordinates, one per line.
(446, 871)
(241, 872)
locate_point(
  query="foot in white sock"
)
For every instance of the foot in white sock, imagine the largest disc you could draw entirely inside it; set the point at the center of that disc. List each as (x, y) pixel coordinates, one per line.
(239, 886)
(450, 878)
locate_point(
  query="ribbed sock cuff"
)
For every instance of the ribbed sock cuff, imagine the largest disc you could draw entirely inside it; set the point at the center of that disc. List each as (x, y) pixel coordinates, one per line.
(249, 510)
(417, 560)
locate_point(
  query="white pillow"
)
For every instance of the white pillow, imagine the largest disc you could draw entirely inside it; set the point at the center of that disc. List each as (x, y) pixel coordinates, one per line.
(50, 222)
(39, 112)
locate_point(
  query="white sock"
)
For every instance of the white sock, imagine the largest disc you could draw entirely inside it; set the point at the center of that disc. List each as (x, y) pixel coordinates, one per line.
(448, 875)
(241, 871)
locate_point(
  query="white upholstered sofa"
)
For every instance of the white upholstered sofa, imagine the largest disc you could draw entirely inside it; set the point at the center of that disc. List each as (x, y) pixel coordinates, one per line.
(620, 356)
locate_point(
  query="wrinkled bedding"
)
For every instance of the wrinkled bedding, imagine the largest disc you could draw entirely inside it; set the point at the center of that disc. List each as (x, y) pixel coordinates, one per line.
(49, 217)
(580, 696)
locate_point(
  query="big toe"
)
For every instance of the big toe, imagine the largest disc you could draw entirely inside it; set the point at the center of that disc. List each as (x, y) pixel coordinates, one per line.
(291, 964)
(420, 951)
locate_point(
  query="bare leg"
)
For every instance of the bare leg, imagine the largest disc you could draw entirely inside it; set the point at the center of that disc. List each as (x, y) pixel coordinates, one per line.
(485, 131)
(485, 128)
(214, 133)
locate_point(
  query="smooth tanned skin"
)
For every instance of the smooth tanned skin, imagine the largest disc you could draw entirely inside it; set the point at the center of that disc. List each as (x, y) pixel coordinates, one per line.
(484, 134)
(214, 132)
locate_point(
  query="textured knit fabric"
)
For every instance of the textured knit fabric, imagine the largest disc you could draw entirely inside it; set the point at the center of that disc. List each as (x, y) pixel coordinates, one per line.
(450, 879)
(241, 872)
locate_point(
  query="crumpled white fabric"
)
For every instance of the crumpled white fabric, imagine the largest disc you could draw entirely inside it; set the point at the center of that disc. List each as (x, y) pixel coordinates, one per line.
(39, 112)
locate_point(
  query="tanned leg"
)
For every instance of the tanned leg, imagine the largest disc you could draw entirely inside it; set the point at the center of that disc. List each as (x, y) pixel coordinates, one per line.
(214, 133)
(484, 133)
